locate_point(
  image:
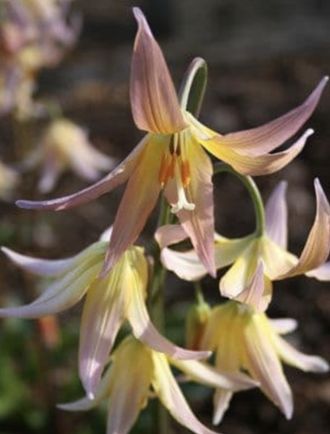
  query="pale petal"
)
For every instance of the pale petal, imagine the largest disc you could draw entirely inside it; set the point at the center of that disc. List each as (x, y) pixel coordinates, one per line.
(154, 102)
(277, 261)
(106, 235)
(87, 403)
(115, 178)
(277, 216)
(41, 267)
(209, 376)
(221, 402)
(317, 246)
(53, 267)
(129, 387)
(172, 398)
(283, 326)
(263, 363)
(186, 265)
(228, 354)
(138, 201)
(102, 317)
(169, 234)
(240, 274)
(198, 223)
(58, 297)
(299, 360)
(51, 171)
(253, 294)
(255, 165)
(264, 139)
(321, 273)
(142, 327)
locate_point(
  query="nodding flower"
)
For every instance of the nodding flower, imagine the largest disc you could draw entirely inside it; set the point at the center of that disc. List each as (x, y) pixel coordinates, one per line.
(172, 156)
(258, 259)
(137, 373)
(109, 301)
(244, 339)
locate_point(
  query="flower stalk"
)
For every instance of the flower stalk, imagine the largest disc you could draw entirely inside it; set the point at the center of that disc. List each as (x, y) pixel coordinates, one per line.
(254, 193)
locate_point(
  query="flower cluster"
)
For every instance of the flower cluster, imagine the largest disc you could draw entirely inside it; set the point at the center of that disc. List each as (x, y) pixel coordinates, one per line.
(114, 274)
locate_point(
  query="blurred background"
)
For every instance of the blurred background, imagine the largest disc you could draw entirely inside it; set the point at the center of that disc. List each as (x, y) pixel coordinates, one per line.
(264, 58)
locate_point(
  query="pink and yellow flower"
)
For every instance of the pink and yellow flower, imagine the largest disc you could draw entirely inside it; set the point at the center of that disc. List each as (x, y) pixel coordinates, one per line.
(136, 372)
(257, 259)
(247, 340)
(172, 157)
(118, 296)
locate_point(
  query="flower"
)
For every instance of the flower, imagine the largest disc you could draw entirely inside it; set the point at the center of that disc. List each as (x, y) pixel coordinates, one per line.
(8, 181)
(110, 300)
(256, 260)
(248, 340)
(66, 145)
(171, 157)
(127, 386)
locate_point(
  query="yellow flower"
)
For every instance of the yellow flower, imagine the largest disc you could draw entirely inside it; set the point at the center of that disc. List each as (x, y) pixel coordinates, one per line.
(134, 370)
(172, 156)
(256, 260)
(247, 340)
(118, 296)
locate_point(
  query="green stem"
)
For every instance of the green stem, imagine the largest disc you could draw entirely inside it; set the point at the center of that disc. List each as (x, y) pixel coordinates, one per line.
(194, 85)
(199, 293)
(254, 192)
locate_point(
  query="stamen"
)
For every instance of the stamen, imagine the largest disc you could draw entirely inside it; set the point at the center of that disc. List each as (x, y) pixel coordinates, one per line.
(162, 177)
(182, 202)
(185, 173)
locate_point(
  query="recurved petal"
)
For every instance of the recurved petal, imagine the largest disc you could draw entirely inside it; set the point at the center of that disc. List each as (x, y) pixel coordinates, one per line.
(267, 137)
(154, 102)
(321, 273)
(145, 331)
(317, 246)
(299, 360)
(199, 222)
(169, 234)
(102, 317)
(171, 396)
(205, 374)
(138, 201)
(255, 165)
(58, 297)
(41, 267)
(277, 216)
(282, 326)
(115, 178)
(263, 363)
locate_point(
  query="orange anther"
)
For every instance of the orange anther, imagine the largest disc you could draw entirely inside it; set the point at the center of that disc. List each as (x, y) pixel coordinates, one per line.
(162, 177)
(185, 173)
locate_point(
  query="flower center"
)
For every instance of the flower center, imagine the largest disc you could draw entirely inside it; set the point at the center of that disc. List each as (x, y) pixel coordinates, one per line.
(175, 166)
